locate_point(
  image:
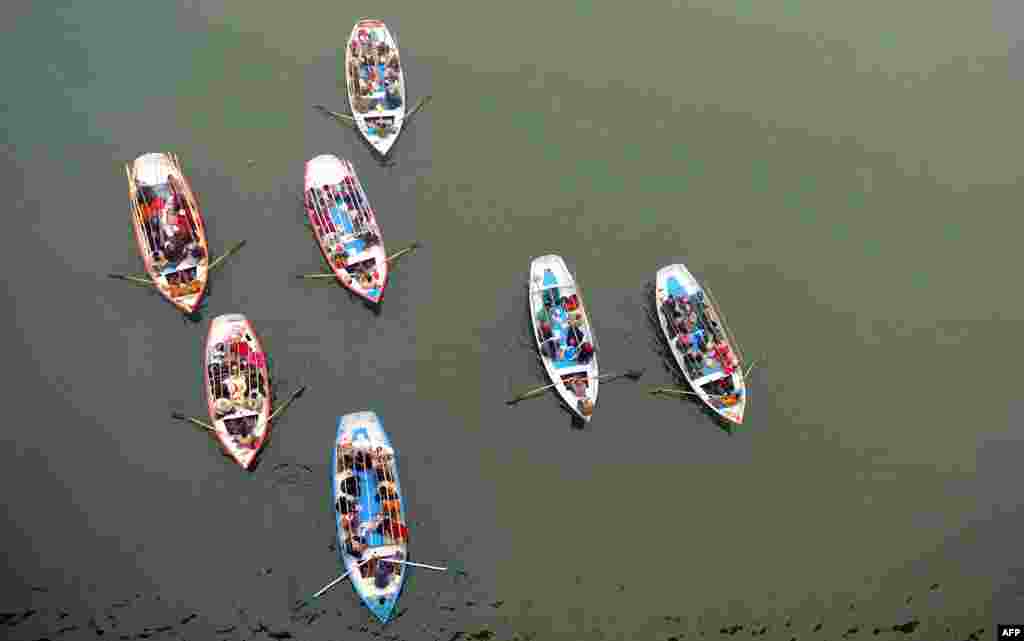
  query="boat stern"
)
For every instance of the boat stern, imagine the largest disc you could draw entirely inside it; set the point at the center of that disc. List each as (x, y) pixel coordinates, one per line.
(382, 607)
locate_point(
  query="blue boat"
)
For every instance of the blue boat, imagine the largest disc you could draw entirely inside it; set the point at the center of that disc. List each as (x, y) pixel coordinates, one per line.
(369, 512)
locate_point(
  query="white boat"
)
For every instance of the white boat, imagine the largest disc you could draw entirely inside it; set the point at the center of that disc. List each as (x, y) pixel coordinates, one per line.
(719, 385)
(169, 229)
(554, 295)
(376, 83)
(238, 393)
(345, 226)
(369, 511)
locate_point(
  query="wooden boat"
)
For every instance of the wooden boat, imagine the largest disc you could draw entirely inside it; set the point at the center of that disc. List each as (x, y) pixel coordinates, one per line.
(376, 83)
(369, 511)
(238, 392)
(169, 229)
(345, 226)
(553, 294)
(719, 384)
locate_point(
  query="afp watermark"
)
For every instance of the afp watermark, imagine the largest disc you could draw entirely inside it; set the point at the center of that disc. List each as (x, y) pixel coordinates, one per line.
(1010, 632)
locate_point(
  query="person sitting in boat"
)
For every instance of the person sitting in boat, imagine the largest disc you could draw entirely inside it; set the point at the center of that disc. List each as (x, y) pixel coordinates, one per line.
(346, 505)
(355, 546)
(236, 385)
(578, 386)
(393, 95)
(574, 335)
(545, 331)
(724, 356)
(586, 352)
(350, 486)
(361, 460)
(393, 528)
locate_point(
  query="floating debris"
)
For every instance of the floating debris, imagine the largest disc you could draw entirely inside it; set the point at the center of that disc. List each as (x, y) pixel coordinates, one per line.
(16, 618)
(852, 631)
(497, 604)
(482, 635)
(933, 587)
(95, 626)
(671, 619)
(818, 627)
(908, 627)
(284, 634)
(732, 629)
(225, 630)
(188, 618)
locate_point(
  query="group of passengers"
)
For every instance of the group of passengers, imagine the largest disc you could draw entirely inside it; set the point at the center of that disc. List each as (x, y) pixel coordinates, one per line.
(387, 521)
(697, 334)
(168, 225)
(346, 196)
(574, 334)
(365, 68)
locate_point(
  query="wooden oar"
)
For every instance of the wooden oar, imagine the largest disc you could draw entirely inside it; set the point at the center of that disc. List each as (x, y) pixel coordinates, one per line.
(418, 565)
(195, 421)
(132, 278)
(391, 258)
(338, 580)
(402, 252)
(633, 374)
(419, 105)
(282, 406)
(343, 117)
(750, 369)
(670, 390)
(237, 246)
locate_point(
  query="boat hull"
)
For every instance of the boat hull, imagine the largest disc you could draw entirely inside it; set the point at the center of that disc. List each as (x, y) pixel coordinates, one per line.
(676, 280)
(549, 275)
(363, 431)
(345, 227)
(376, 92)
(158, 178)
(237, 383)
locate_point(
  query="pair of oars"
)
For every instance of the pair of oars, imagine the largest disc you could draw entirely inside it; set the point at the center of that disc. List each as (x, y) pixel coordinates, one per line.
(341, 578)
(348, 119)
(633, 374)
(195, 421)
(681, 392)
(391, 259)
(145, 280)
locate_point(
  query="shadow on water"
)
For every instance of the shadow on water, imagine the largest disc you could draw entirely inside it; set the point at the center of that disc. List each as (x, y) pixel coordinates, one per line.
(659, 345)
